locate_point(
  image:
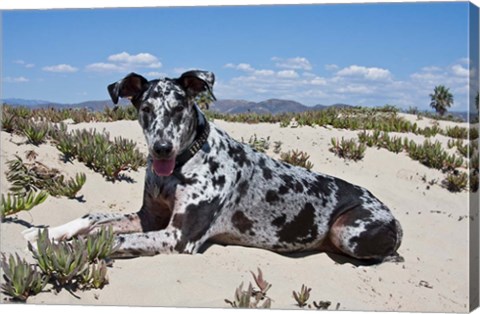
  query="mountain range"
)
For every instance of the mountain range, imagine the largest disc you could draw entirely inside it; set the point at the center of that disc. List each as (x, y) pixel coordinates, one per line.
(231, 106)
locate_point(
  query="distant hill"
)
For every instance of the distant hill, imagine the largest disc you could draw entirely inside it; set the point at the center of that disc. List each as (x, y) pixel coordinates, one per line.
(230, 106)
(271, 106)
(94, 105)
(34, 103)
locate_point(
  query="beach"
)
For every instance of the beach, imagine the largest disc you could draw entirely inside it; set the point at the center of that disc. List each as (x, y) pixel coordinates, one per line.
(433, 276)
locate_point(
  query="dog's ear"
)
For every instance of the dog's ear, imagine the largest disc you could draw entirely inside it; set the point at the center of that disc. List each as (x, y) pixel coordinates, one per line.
(131, 87)
(195, 82)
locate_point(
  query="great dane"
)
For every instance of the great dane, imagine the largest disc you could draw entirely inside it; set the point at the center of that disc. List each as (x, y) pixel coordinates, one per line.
(202, 185)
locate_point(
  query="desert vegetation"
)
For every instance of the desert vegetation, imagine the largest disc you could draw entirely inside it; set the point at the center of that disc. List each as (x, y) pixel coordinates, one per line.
(111, 157)
(80, 264)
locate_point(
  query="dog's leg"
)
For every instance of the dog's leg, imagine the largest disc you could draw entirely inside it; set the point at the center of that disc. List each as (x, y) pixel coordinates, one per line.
(362, 236)
(143, 221)
(167, 241)
(120, 223)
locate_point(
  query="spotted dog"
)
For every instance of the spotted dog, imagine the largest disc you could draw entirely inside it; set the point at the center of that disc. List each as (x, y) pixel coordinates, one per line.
(202, 185)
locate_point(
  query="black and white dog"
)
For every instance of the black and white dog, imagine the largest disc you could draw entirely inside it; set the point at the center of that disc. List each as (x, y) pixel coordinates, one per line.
(202, 185)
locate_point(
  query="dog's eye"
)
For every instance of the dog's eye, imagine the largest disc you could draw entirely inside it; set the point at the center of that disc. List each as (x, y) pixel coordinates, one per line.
(179, 108)
(146, 109)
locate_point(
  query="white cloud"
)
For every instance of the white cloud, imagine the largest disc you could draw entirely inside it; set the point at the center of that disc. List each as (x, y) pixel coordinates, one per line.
(104, 67)
(287, 74)
(264, 72)
(241, 67)
(145, 59)
(458, 70)
(355, 89)
(25, 64)
(431, 69)
(372, 73)
(297, 63)
(60, 68)
(125, 62)
(318, 81)
(354, 84)
(308, 74)
(331, 67)
(19, 79)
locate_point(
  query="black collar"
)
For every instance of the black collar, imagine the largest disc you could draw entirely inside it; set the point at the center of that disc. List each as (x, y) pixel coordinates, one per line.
(203, 130)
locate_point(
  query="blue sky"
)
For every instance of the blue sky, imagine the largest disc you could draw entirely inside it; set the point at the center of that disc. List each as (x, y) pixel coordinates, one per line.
(370, 54)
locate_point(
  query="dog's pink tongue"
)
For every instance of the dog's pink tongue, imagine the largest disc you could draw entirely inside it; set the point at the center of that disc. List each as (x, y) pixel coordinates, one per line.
(163, 167)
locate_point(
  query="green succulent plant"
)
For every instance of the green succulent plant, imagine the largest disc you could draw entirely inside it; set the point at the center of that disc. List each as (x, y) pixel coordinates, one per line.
(456, 181)
(20, 279)
(94, 276)
(258, 144)
(252, 298)
(36, 133)
(9, 121)
(68, 188)
(26, 177)
(348, 149)
(100, 245)
(297, 158)
(14, 203)
(61, 261)
(302, 296)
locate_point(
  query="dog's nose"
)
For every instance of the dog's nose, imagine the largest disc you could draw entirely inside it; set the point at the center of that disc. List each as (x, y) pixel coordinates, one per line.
(163, 149)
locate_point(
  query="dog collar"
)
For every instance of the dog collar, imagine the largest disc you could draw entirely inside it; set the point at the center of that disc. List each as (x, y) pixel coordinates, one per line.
(203, 130)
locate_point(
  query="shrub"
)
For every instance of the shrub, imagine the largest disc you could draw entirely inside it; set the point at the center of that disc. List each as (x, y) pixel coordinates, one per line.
(69, 188)
(35, 176)
(79, 263)
(302, 296)
(12, 204)
(61, 261)
(99, 153)
(433, 156)
(94, 277)
(260, 145)
(456, 181)
(251, 298)
(36, 133)
(9, 121)
(457, 132)
(348, 149)
(297, 158)
(100, 245)
(21, 279)
(382, 140)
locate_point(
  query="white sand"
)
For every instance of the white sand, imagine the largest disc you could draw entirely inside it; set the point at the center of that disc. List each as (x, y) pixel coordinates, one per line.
(435, 244)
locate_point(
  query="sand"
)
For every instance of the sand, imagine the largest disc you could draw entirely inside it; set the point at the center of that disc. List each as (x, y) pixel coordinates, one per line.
(433, 277)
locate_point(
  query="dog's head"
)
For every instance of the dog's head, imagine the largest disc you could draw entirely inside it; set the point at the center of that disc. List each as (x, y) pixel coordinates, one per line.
(166, 112)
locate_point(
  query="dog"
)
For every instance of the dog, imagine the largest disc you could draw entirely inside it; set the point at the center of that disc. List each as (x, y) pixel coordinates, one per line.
(202, 185)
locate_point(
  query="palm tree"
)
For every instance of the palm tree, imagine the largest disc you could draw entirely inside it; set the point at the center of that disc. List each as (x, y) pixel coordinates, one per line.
(441, 99)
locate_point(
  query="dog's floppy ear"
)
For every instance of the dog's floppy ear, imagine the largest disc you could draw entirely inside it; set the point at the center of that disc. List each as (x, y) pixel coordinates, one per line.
(132, 86)
(195, 82)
